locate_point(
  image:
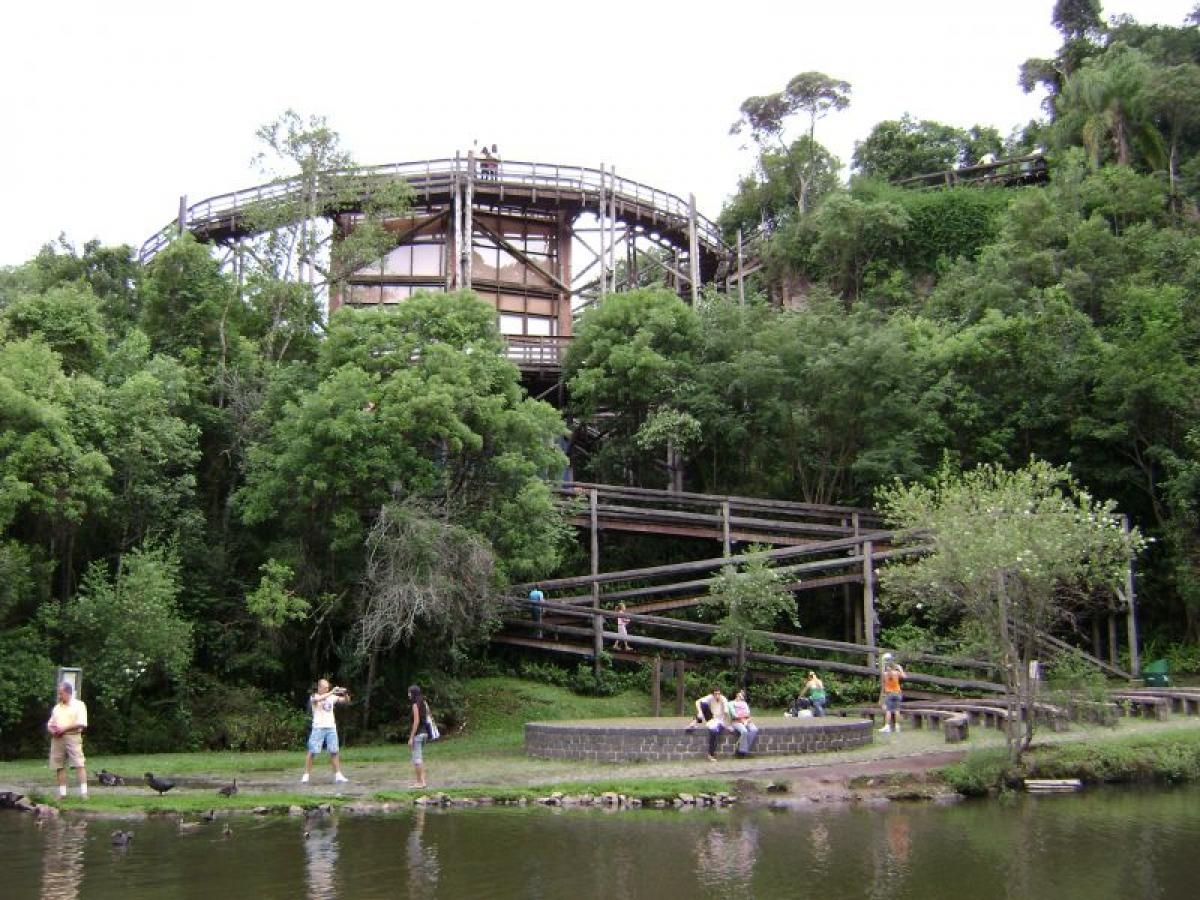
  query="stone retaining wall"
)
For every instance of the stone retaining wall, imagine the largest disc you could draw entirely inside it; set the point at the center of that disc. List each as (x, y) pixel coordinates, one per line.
(638, 740)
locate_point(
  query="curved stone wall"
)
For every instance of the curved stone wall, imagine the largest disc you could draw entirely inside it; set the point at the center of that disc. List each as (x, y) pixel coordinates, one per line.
(663, 740)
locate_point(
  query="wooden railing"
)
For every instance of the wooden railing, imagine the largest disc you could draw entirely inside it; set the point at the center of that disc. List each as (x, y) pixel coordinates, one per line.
(426, 177)
(536, 351)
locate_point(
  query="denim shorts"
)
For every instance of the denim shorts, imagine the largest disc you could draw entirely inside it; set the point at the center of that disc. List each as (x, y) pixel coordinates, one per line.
(891, 702)
(323, 737)
(418, 748)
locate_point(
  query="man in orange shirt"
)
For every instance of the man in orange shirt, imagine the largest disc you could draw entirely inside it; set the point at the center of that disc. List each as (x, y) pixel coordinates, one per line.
(68, 722)
(889, 694)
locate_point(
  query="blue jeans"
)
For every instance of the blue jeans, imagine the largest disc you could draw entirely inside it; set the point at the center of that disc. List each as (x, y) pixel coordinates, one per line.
(748, 733)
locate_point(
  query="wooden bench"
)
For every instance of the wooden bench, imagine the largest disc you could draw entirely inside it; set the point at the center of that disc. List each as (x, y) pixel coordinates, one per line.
(1184, 702)
(956, 728)
(955, 723)
(1094, 712)
(1144, 706)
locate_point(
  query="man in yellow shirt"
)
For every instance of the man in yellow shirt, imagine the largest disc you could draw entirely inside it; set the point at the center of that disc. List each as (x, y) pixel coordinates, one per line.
(68, 722)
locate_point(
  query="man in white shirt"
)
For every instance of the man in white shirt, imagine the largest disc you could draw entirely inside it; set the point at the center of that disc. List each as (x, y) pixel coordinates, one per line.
(712, 711)
(68, 722)
(324, 729)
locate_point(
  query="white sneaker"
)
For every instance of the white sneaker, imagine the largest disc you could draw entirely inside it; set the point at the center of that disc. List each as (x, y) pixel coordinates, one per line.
(339, 778)
(304, 778)
(897, 728)
(886, 729)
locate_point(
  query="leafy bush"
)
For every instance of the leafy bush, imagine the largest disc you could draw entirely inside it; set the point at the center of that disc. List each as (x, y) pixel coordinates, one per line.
(245, 718)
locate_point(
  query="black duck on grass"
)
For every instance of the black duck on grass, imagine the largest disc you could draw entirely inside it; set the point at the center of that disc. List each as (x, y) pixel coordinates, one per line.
(229, 790)
(161, 785)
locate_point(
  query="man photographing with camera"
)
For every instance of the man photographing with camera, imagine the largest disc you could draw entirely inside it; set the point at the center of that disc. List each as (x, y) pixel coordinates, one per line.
(324, 729)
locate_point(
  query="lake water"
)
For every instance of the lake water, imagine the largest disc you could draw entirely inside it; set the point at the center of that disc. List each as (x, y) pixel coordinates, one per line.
(1102, 844)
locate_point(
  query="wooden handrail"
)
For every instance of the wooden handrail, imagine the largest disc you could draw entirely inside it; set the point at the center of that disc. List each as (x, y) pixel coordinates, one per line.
(426, 175)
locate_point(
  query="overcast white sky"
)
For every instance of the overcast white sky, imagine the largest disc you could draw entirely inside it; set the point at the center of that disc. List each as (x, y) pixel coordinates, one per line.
(113, 109)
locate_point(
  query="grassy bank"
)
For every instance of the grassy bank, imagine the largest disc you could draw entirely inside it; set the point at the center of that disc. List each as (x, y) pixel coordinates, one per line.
(1167, 758)
(486, 758)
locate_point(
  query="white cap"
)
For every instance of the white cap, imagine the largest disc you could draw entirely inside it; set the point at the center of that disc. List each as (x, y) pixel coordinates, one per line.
(887, 657)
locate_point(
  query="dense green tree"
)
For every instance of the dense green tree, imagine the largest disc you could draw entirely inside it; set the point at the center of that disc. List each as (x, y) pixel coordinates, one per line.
(412, 405)
(1013, 550)
(1107, 103)
(898, 149)
(630, 356)
(813, 94)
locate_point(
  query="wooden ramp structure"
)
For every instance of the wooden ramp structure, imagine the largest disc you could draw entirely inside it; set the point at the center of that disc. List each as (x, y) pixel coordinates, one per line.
(812, 546)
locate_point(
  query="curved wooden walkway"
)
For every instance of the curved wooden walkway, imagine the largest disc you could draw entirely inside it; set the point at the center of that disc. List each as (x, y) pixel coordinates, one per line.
(516, 185)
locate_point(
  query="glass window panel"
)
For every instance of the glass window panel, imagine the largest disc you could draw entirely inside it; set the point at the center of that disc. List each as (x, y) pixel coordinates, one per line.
(394, 293)
(512, 324)
(539, 326)
(426, 259)
(399, 261)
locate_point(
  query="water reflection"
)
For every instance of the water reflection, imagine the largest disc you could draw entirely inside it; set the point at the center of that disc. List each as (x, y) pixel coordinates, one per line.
(62, 860)
(726, 853)
(423, 866)
(320, 859)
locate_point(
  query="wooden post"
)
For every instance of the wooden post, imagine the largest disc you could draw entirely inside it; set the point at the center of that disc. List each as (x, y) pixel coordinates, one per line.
(693, 249)
(597, 620)
(182, 220)
(726, 543)
(680, 687)
(1097, 647)
(458, 211)
(631, 265)
(656, 686)
(741, 276)
(1135, 652)
(868, 572)
(612, 226)
(740, 661)
(600, 217)
(468, 225)
(1112, 637)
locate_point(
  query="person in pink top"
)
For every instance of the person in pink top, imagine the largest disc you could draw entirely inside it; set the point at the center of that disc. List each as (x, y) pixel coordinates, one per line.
(747, 731)
(622, 628)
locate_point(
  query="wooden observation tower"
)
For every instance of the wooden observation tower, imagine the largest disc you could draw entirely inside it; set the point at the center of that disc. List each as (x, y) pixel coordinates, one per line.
(539, 241)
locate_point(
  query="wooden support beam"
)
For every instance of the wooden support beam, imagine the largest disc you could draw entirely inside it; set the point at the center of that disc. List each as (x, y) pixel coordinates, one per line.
(656, 672)
(468, 223)
(522, 256)
(597, 620)
(868, 578)
(680, 687)
(693, 249)
(1131, 623)
(741, 273)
